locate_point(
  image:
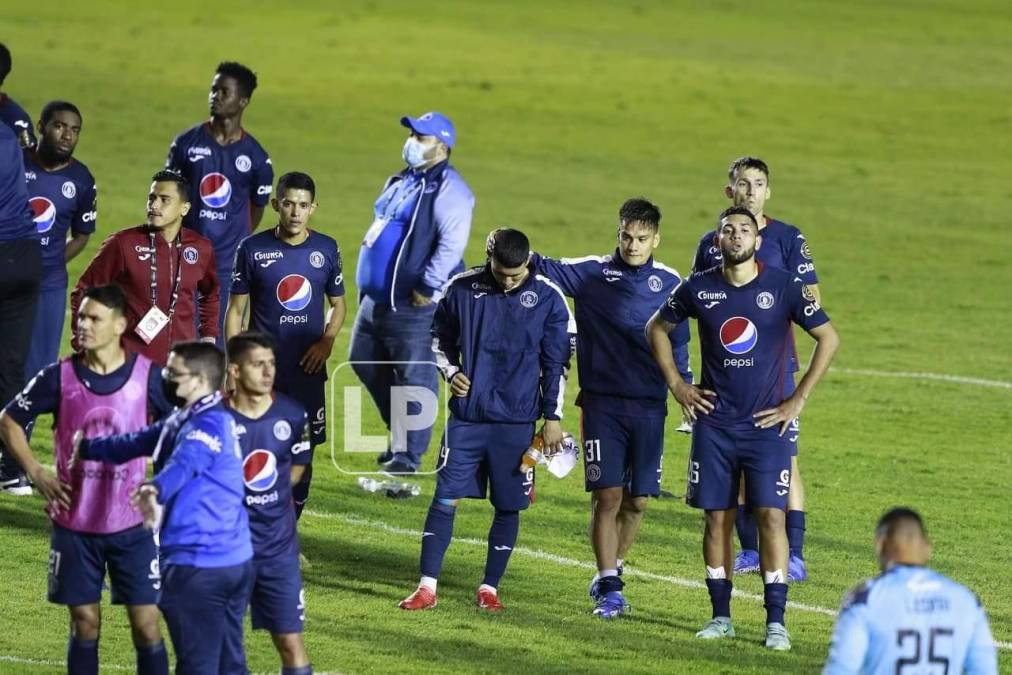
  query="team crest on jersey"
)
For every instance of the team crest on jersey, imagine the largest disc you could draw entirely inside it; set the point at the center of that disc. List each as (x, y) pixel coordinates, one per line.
(190, 255)
(806, 252)
(738, 335)
(528, 299)
(654, 283)
(243, 163)
(807, 293)
(294, 292)
(260, 470)
(593, 473)
(43, 214)
(316, 259)
(764, 300)
(68, 189)
(430, 188)
(282, 430)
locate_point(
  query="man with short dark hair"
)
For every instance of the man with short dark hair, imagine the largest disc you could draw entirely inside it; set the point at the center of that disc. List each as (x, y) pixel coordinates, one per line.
(286, 274)
(161, 267)
(622, 394)
(910, 617)
(11, 114)
(501, 337)
(228, 171)
(102, 390)
(421, 222)
(63, 198)
(784, 248)
(744, 313)
(196, 500)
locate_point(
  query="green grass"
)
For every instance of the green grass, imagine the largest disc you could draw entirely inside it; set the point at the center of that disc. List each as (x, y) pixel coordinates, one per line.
(887, 129)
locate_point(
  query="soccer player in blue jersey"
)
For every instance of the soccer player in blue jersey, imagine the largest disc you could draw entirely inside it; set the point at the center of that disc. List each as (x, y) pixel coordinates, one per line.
(273, 433)
(910, 618)
(11, 114)
(285, 274)
(622, 394)
(744, 310)
(63, 196)
(229, 172)
(785, 248)
(501, 337)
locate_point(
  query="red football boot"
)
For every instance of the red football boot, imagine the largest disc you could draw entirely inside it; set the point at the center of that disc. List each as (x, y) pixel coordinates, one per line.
(422, 598)
(488, 599)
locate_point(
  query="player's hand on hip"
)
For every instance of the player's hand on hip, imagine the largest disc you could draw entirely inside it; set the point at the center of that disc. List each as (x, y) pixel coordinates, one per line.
(419, 300)
(782, 414)
(693, 399)
(316, 356)
(145, 500)
(56, 492)
(460, 385)
(551, 433)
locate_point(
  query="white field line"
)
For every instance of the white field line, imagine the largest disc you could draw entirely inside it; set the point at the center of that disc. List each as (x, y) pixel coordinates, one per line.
(936, 377)
(358, 521)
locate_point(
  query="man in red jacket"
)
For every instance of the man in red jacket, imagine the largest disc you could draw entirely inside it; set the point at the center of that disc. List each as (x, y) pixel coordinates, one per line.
(161, 268)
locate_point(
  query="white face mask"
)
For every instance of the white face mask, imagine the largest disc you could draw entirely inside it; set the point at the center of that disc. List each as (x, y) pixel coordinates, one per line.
(414, 152)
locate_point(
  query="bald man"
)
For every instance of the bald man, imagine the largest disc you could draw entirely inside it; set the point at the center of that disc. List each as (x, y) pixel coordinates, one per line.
(910, 618)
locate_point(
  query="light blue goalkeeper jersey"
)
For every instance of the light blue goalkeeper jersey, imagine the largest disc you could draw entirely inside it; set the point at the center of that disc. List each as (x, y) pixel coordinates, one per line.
(912, 621)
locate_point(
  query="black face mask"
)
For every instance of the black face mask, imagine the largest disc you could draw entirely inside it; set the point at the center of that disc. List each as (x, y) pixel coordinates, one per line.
(169, 389)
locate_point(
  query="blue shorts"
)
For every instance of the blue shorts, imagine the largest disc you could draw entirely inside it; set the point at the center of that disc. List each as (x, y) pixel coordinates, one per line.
(477, 455)
(309, 391)
(622, 451)
(794, 430)
(277, 599)
(203, 609)
(78, 561)
(718, 459)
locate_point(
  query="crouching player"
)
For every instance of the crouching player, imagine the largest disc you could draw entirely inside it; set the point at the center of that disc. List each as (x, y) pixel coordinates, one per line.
(273, 435)
(501, 340)
(744, 312)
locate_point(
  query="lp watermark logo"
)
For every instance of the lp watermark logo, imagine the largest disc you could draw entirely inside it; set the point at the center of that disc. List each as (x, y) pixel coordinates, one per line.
(372, 411)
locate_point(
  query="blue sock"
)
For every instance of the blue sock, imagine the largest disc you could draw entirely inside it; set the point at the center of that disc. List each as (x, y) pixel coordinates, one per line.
(82, 657)
(300, 491)
(748, 531)
(502, 537)
(152, 660)
(609, 584)
(436, 538)
(297, 670)
(775, 601)
(796, 533)
(720, 596)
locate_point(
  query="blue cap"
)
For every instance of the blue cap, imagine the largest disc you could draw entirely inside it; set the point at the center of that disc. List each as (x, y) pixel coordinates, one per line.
(432, 124)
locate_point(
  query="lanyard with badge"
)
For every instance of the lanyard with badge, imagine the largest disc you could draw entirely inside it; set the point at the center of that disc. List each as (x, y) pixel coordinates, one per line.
(152, 323)
(386, 213)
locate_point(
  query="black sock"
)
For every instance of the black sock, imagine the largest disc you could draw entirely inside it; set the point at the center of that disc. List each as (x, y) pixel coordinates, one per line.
(502, 537)
(720, 596)
(152, 660)
(748, 531)
(796, 533)
(436, 538)
(775, 601)
(82, 657)
(297, 670)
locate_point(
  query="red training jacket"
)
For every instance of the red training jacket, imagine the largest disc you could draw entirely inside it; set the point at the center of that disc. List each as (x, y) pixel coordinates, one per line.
(125, 260)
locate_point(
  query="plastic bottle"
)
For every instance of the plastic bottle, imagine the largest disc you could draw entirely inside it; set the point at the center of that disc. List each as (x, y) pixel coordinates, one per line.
(393, 488)
(534, 454)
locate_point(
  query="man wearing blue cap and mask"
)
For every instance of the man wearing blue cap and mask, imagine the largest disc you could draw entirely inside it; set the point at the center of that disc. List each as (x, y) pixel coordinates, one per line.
(416, 242)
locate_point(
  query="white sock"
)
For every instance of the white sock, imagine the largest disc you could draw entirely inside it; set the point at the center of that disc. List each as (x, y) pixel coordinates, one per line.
(774, 577)
(486, 587)
(715, 573)
(618, 563)
(428, 582)
(601, 574)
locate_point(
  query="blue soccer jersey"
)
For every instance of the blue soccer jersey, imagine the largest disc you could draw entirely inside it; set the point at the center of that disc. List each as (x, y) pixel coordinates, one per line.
(783, 247)
(287, 287)
(62, 200)
(225, 180)
(744, 336)
(271, 445)
(911, 620)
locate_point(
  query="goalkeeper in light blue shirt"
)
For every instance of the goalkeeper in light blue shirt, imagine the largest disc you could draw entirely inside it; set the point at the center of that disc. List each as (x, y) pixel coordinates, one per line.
(910, 619)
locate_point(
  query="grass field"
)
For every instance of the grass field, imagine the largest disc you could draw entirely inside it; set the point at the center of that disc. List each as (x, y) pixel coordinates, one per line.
(887, 129)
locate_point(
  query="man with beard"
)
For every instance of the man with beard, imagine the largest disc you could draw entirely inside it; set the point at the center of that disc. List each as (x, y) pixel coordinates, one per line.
(744, 311)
